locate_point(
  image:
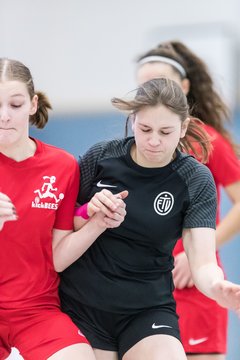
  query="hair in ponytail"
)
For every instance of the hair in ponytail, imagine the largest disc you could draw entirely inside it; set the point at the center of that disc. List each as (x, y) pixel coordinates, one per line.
(11, 70)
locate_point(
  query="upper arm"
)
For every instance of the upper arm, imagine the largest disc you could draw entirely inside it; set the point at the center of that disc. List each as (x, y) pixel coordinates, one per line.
(233, 191)
(200, 246)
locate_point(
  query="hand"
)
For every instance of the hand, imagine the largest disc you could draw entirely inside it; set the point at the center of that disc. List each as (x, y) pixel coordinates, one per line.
(114, 220)
(7, 210)
(182, 276)
(227, 294)
(106, 202)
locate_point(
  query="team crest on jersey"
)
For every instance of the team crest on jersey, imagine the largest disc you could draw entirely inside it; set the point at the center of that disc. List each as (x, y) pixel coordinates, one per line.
(48, 196)
(163, 203)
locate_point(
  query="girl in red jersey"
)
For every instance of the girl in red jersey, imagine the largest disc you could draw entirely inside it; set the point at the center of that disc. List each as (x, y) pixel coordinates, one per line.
(203, 323)
(38, 190)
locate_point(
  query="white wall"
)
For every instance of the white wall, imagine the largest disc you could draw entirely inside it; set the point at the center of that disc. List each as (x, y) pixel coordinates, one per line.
(82, 52)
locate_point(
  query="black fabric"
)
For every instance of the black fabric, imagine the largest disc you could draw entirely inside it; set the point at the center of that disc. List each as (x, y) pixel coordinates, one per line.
(129, 268)
(119, 332)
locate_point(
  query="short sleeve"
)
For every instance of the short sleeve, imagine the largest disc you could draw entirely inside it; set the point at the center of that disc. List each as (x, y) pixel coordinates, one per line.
(201, 211)
(223, 162)
(88, 165)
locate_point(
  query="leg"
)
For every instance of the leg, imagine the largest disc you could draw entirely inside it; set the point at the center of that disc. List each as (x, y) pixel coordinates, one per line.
(156, 347)
(207, 357)
(74, 352)
(105, 355)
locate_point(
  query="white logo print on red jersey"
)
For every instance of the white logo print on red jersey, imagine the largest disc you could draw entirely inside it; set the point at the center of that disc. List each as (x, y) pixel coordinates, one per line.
(163, 203)
(47, 191)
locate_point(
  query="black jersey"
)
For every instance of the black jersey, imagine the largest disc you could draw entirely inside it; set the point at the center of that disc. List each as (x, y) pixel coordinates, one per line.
(129, 268)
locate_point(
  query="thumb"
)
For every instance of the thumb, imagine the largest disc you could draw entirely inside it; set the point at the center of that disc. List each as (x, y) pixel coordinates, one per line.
(123, 194)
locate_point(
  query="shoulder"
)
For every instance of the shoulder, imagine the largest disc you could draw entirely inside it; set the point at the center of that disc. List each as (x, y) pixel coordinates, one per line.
(218, 140)
(109, 148)
(55, 153)
(189, 166)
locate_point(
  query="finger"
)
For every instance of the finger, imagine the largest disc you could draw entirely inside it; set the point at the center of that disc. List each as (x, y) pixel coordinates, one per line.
(4, 197)
(106, 206)
(111, 223)
(106, 198)
(6, 203)
(7, 211)
(123, 194)
(4, 219)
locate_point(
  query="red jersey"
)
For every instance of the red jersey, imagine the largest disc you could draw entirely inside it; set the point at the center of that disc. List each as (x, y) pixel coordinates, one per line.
(43, 188)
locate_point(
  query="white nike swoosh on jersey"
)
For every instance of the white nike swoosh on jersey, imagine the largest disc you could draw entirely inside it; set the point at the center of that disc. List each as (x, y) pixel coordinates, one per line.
(197, 341)
(100, 184)
(154, 326)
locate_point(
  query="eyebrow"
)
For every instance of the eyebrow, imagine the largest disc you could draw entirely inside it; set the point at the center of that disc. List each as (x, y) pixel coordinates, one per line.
(163, 127)
(17, 95)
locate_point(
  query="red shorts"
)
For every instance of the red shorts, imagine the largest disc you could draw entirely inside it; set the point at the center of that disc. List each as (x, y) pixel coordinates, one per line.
(37, 334)
(203, 323)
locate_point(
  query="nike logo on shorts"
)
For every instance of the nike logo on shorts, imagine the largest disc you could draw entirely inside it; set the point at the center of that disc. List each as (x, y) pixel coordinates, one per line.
(101, 185)
(154, 326)
(193, 342)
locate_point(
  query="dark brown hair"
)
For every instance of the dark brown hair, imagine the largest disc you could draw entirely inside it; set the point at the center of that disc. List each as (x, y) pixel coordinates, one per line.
(13, 70)
(204, 101)
(166, 92)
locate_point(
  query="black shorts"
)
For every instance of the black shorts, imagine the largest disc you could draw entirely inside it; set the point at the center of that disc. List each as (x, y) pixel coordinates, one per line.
(119, 332)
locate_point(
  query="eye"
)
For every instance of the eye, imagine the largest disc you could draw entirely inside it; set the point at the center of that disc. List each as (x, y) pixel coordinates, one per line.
(165, 133)
(15, 106)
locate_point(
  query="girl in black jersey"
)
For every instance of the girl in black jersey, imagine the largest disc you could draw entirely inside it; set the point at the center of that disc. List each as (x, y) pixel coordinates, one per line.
(120, 291)
(178, 62)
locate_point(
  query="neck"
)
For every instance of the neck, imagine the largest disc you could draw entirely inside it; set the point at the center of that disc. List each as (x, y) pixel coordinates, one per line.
(20, 152)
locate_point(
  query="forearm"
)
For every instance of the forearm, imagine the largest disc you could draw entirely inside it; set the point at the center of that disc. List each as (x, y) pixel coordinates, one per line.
(206, 276)
(229, 226)
(73, 245)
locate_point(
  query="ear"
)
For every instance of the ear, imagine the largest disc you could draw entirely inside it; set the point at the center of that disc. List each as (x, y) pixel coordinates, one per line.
(184, 127)
(34, 105)
(132, 120)
(185, 86)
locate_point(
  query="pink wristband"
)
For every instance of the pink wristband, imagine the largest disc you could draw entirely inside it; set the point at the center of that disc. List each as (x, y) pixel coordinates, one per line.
(82, 211)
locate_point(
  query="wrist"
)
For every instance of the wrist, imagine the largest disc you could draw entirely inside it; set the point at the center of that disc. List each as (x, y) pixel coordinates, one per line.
(82, 211)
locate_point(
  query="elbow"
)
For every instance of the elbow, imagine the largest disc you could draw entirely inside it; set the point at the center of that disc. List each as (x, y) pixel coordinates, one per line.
(58, 265)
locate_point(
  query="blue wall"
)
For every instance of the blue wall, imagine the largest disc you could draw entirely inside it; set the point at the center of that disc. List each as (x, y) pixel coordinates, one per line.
(76, 133)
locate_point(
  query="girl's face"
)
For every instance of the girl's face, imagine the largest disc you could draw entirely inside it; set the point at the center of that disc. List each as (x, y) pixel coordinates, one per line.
(157, 132)
(154, 70)
(15, 109)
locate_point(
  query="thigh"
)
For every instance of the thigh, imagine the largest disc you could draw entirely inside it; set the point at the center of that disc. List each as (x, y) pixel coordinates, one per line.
(105, 355)
(74, 352)
(206, 357)
(148, 324)
(203, 323)
(40, 335)
(156, 347)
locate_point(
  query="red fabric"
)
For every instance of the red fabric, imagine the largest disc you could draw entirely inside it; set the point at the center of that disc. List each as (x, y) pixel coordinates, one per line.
(43, 188)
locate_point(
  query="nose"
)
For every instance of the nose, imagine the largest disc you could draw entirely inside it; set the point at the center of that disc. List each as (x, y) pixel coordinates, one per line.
(4, 114)
(154, 140)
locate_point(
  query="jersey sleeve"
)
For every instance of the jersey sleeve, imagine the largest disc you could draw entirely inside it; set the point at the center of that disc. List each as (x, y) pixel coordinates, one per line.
(65, 212)
(223, 162)
(88, 166)
(201, 211)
